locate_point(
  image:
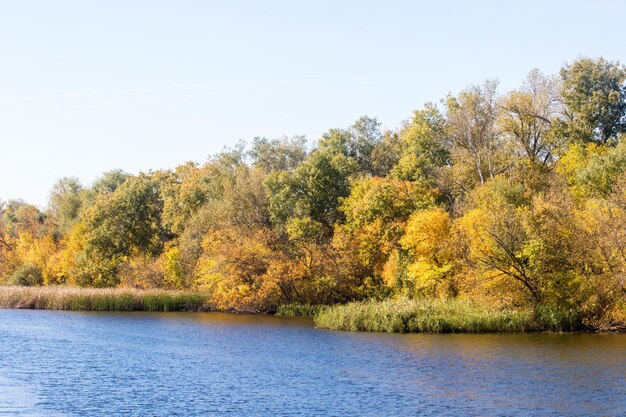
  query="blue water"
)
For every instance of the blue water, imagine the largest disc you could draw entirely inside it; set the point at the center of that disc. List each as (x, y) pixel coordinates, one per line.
(162, 364)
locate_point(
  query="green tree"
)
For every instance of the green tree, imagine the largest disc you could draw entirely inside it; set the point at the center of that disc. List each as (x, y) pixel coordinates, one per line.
(64, 204)
(109, 181)
(358, 143)
(283, 154)
(122, 225)
(313, 190)
(424, 146)
(594, 97)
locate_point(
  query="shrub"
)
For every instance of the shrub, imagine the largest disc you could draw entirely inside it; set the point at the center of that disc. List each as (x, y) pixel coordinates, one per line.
(27, 276)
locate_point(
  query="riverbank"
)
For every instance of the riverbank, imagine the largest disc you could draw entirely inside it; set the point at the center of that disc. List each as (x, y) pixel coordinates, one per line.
(101, 299)
(391, 316)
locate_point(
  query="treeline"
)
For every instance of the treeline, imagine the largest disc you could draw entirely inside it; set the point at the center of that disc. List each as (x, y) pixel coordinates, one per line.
(514, 199)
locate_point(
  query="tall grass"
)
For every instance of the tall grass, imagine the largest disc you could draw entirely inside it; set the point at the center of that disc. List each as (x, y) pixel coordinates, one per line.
(440, 316)
(101, 299)
(299, 310)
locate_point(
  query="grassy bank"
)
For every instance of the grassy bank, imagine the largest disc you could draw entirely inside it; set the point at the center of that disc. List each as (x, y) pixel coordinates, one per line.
(100, 299)
(441, 316)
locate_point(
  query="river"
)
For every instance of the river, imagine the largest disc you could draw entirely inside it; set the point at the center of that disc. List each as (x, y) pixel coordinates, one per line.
(164, 364)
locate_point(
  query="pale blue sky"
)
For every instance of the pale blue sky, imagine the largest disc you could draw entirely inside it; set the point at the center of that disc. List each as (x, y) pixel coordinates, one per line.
(89, 86)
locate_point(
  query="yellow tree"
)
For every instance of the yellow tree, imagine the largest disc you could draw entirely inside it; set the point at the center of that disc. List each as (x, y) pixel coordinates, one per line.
(376, 213)
(428, 237)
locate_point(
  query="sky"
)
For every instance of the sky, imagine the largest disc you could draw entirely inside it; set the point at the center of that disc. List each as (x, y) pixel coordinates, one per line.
(89, 86)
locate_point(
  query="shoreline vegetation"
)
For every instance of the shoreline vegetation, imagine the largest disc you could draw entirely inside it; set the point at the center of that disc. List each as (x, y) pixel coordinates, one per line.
(429, 315)
(391, 316)
(443, 316)
(100, 299)
(488, 210)
(300, 310)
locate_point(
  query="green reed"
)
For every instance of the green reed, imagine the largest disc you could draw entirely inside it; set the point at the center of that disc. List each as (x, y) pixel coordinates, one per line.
(441, 316)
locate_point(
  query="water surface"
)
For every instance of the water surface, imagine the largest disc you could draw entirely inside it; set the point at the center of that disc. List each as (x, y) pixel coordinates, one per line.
(73, 363)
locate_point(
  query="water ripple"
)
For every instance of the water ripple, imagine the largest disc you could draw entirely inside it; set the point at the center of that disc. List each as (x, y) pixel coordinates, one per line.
(64, 363)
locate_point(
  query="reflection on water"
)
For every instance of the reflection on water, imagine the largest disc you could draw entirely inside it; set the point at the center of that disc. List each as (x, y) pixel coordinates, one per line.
(64, 363)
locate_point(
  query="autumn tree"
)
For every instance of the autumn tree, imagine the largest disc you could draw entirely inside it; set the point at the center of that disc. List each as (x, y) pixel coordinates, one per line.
(25, 243)
(429, 239)
(527, 116)
(375, 219)
(477, 149)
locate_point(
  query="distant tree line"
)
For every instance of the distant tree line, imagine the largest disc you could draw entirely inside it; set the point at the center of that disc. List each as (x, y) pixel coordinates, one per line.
(514, 199)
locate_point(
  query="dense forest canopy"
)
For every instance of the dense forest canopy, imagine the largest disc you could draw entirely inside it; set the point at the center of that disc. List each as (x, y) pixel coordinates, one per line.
(514, 199)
